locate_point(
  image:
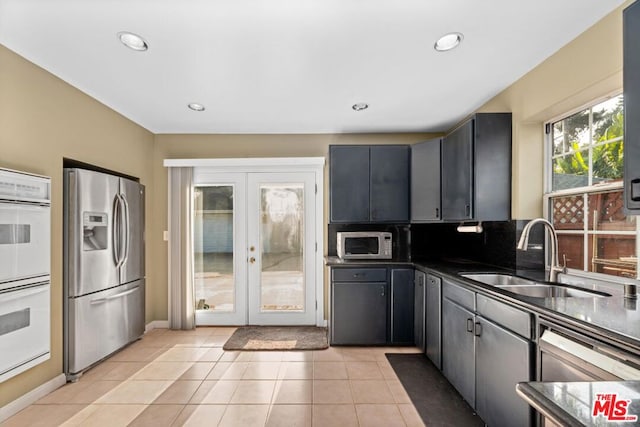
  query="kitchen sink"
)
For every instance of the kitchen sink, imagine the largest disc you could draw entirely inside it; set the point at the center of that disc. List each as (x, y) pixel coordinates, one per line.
(499, 279)
(551, 291)
(531, 288)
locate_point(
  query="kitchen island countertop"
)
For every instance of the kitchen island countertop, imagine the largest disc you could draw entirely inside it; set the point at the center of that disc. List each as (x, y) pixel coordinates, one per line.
(572, 404)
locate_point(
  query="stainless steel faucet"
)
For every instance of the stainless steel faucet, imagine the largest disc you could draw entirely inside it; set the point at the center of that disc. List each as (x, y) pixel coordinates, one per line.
(523, 244)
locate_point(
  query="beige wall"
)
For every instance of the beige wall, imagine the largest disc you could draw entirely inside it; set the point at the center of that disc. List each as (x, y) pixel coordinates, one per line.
(230, 146)
(42, 120)
(588, 68)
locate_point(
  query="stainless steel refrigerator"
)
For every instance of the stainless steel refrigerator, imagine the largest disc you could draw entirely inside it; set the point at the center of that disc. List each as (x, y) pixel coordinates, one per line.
(104, 283)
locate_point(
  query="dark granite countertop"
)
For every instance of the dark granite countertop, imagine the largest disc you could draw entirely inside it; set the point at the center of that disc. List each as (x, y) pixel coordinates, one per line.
(615, 318)
(572, 404)
(334, 261)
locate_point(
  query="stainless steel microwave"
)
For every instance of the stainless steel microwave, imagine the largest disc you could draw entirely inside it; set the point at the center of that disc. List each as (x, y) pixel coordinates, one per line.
(364, 245)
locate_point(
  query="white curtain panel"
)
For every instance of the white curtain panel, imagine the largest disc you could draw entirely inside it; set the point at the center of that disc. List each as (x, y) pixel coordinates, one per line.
(181, 292)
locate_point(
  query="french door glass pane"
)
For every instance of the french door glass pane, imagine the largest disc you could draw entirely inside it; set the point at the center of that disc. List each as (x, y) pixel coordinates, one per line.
(282, 243)
(213, 248)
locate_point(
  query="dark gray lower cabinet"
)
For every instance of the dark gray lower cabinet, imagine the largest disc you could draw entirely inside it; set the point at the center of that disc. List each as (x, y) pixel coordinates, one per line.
(486, 351)
(419, 310)
(402, 306)
(372, 305)
(458, 349)
(502, 361)
(433, 330)
(359, 313)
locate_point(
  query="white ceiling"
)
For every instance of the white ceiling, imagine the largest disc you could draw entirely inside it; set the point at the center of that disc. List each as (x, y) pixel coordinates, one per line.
(293, 66)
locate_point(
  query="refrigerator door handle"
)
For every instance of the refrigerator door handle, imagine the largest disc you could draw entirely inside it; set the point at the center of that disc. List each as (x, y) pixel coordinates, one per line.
(119, 295)
(127, 228)
(115, 232)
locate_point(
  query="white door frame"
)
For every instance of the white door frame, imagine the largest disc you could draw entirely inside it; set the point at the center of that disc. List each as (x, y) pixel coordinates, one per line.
(282, 164)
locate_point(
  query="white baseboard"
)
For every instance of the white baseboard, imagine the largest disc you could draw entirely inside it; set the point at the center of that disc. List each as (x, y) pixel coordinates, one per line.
(156, 324)
(27, 399)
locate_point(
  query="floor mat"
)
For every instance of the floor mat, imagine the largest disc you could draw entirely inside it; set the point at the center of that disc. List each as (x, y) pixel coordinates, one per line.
(278, 338)
(435, 399)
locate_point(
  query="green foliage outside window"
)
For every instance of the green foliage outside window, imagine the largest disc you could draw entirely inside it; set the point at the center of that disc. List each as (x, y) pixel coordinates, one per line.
(573, 145)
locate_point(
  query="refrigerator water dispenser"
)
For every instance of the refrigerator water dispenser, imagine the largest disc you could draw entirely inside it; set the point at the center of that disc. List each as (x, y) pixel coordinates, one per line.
(94, 229)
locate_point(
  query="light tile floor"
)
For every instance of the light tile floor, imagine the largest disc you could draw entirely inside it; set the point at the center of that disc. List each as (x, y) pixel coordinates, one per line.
(176, 378)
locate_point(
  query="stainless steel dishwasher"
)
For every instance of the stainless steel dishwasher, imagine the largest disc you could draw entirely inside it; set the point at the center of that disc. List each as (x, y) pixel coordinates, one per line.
(567, 356)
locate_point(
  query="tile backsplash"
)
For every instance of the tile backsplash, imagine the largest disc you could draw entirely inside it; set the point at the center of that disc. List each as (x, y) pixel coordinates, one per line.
(496, 245)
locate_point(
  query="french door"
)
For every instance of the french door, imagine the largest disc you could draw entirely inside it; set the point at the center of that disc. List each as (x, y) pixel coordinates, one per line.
(254, 248)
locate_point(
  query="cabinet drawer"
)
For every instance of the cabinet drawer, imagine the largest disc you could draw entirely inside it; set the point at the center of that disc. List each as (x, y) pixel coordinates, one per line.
(459, 295)
(359, 274)
(505, 315)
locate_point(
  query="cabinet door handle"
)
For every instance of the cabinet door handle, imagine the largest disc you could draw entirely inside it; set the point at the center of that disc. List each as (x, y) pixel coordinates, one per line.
(478, 329)
(382, 293)
(467, 210)
(437, 213)
(635, 189)
(469, 325)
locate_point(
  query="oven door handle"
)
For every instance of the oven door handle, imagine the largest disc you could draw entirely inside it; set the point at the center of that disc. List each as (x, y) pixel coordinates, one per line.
(112, 297)
(21, 293)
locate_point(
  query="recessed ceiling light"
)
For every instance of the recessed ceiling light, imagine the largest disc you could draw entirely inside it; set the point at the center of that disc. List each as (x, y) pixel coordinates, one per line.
(448, 42)
(133, 41)
(196, 107)
(360, 106)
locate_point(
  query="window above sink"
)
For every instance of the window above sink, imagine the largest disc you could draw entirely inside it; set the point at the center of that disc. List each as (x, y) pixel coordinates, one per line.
(584, 195)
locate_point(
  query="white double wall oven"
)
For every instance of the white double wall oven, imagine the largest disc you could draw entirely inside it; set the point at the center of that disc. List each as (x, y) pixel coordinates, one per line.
(25, 246)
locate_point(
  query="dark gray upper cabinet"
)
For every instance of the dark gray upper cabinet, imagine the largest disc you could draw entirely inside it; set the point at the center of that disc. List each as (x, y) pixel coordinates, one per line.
(457, 173)
(631, 80)
(349, 183)
(476, 170)
(425, 181)
(369, 183)
(389, 182)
